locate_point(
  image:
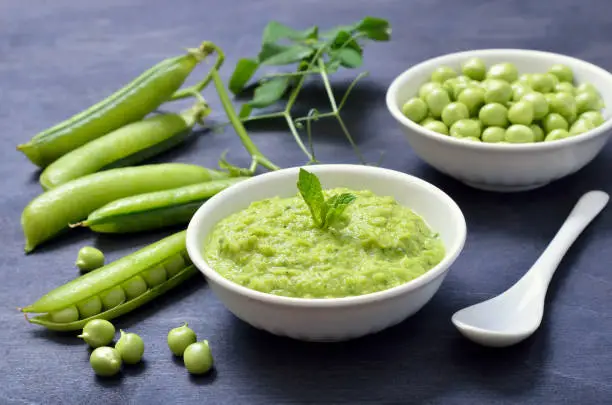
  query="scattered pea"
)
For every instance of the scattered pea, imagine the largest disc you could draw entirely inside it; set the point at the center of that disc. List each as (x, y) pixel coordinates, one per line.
(113, 297)
(493, 134)
(465, 128)
(474, 68)
(130, 347)
(454, 112)
(494, 115)
(497, 91)
(89, 258)
(134, 287)
(521, 113)
(415, 109)
(105, 361)
(556, 134)
(503, 71)
(562, 72)
(586, 101)
(198, 358)
(426, 88)
(519, 134)
(542, 83)
(554, 121)
(69, 314)
(594, 116)
(443, 73)
(437, 126)
(473, 99)
(539, 103)
(90, 307)
(180, 338)
(436, 100)
(155, 276)
(98, 333)
(538, 132)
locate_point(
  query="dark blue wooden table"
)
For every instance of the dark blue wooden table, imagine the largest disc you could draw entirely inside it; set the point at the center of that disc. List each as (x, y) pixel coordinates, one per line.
(61, 56)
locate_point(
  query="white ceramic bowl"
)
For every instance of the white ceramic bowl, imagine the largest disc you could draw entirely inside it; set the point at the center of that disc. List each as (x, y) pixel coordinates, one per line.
(330, 319)
(502, 167)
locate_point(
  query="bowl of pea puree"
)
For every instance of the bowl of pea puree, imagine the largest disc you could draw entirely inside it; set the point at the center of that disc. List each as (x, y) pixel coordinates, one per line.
(504, 120)
(326, 252)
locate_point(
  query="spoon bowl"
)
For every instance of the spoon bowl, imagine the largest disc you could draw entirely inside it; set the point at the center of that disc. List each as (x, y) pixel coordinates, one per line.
(517, 313)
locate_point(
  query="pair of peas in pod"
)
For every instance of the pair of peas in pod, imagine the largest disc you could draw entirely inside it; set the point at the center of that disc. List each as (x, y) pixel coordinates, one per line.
(489, 100)
(129, 349)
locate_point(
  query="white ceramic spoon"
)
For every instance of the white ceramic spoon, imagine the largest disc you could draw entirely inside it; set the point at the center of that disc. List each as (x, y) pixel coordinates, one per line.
(517, 313)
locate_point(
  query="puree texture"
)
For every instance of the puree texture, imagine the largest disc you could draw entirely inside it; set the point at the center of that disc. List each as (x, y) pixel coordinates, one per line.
(274, 247)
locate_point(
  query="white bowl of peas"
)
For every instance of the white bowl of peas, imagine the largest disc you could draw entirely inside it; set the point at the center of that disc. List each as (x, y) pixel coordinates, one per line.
(504, 119)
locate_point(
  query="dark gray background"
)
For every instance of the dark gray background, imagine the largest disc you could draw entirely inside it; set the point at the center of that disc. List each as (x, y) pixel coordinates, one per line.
(58, 57)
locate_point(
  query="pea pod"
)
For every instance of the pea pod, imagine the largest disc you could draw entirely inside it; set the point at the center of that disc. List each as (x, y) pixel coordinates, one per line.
(125, 146)
(169, 254)
(154, 210)
(131, 103)
(51, 212)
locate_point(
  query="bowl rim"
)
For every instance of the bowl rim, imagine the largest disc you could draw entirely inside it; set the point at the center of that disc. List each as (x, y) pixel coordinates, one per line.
(452, 252)
(404, 77)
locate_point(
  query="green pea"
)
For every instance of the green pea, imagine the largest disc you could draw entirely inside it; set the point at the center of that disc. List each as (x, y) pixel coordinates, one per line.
(553, 79)
(436, 100)
(66, 315)
(130, 347)
(474, 68)
(519, 90)
(471, 138)
(581, 126)
(437, 126)
(422, 123)
(565, 87)
(90, 307)
(556, 134)
(459, 88)
(494, 115)
(521, 113)
(443, 73)
(503, 71)
(415, 109)
(98, 333)
(498, 91)
(554, 121)
(473, 99)
(179, 338)
(465, 79)
(586, 101)
(525, 79)
(538, 133)
(454, 112)
(587, 87)
(175, 264)
(539, 103)
(105, 361)
(465, 128)
(565, 105)
(594, 116)
(449, 85)
(519, 134)
(155, 276)
(113, 297)
(198, 358)
(550, 98)
(493, 134)
(428, 87)
(89, 258)
(562, 72)
(134, 287)
(542, 83)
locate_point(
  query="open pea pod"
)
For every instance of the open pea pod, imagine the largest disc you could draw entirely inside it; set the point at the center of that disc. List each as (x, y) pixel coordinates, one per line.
(167, 259)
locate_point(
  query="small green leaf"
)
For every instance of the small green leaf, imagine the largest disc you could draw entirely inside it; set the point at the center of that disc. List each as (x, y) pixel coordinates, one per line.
(245, 69)
(245, 111)
(375, 28)
(336, 205)
(269, 92)
(310, 188)
(289, 55)
(276, 31)
(345, 40)
(348, 57)
(269, 50)
(334, 31)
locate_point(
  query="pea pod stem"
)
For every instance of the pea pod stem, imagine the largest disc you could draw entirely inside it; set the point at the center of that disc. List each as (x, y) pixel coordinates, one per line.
(206, 48)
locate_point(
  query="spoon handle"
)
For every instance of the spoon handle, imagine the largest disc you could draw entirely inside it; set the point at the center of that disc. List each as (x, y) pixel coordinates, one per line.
(585, 210)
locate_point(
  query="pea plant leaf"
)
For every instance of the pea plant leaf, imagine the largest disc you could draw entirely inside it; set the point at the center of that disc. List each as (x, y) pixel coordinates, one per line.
(374, 28)
(245, 111)
(244, 71)
(344, 39)
(269, 92)
(309, 187)
(348, 57)
(288, 55)
(336, 205)
(276, 31)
